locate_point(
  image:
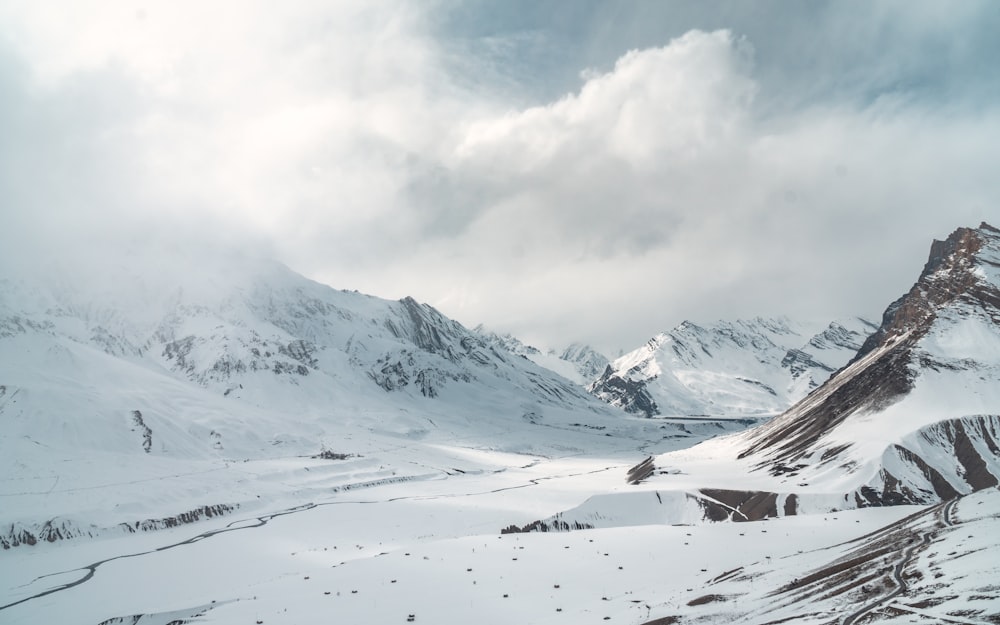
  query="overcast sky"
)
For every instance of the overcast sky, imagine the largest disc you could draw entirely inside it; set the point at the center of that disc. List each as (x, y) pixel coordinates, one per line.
(575, 170)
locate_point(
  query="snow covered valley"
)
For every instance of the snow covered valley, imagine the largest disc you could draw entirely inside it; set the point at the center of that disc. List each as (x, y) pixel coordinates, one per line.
(431, 551)
(259, 448)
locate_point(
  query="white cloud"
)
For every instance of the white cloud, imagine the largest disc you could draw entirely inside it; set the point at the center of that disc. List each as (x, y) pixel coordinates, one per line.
(277, 119)
(337, 135)
(674, 102)
(658, 192)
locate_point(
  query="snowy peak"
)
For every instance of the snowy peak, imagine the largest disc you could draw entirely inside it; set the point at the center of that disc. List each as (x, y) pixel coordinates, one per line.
(589, 363)
(427, 328)
(834, 343)
(962, 270)
(732, 368)
(915, 413)
(508, 342)
(266, 335)
(578, 363)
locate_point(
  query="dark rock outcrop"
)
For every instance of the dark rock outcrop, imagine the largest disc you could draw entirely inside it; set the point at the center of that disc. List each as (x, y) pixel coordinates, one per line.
(18, 535)
(735, 505)
(641, 471)
(629, 395)
(555, 525)
(147, 433)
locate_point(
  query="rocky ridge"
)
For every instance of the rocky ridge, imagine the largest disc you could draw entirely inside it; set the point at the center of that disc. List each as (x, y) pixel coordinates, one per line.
(959, 282)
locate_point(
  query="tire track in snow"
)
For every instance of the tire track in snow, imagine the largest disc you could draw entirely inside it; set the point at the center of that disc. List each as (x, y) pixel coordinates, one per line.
(897, 570)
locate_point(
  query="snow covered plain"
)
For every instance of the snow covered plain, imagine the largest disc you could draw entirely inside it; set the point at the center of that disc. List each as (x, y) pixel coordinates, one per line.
(430, 548)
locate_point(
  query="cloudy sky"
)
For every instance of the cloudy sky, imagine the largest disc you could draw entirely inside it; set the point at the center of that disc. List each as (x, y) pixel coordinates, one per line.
(572, 170)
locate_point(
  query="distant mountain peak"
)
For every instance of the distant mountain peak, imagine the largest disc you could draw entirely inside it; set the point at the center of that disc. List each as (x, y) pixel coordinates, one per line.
(742, 367)
(588, 361)
(578, 363)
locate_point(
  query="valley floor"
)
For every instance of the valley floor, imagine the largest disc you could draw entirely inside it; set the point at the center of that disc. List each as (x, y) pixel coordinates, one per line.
(430, 550)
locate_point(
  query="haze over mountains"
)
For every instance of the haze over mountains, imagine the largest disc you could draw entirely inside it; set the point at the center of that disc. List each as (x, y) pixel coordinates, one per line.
(150, 424)
(248, 360)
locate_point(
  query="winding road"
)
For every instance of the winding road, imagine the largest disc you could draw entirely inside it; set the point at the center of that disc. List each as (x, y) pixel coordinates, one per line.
(897, 570)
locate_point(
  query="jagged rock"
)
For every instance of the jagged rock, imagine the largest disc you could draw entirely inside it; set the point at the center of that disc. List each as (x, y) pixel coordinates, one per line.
(627, 394)
(147, 434)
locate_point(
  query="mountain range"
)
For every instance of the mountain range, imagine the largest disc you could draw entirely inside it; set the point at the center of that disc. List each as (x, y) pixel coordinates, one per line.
(231, 442)
(911, 419)
(251, 362)
(730, 368)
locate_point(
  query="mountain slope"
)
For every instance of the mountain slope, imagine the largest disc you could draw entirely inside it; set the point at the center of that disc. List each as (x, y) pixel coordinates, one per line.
(929, 373)
(270, 329)
(746, 367)
(237, 383)
(933, 566)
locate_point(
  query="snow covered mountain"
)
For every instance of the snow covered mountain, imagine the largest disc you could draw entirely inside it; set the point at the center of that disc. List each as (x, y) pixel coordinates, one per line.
(371, 484)
(916, 415)
(266, 328)
(123, 369)
(745, 367)
(588, 362)
(578, 363)
(914, 418)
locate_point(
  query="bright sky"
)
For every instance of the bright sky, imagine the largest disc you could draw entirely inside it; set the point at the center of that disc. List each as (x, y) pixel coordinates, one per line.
(573, 170)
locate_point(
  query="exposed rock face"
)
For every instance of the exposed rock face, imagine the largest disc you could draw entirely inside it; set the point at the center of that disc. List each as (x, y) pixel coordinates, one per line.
(17, 534)
(950, 277)
(426, 328)
(625, 393)
(640, 471)
(732, 505)
(937, 463)
(555, 525)
(147, 434)
(961, 280)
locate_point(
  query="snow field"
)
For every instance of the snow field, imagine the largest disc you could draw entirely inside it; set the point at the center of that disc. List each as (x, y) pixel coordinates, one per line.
(359, 541)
